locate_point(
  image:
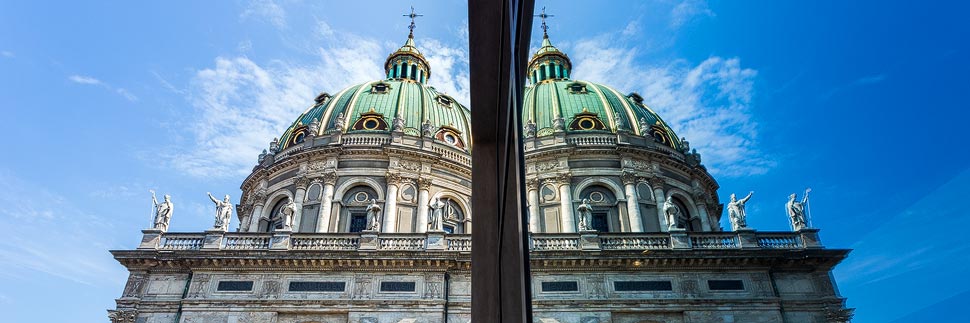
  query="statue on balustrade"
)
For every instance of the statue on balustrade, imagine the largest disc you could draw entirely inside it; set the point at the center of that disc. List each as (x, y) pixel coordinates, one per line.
(163, 212)
(437, 217)
(373, 216)
(339, 123)
(530, 129)
(398, 123)
(673, 214)
(796, 210)
(223, 212)
(426, 129)
(585, 216)
(287, 212)
(739, 220)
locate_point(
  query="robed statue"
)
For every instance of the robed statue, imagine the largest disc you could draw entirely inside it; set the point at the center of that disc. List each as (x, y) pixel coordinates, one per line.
(739, 220)
(286, 213)
(223, 212)
(373, 216)
(796, 210)
(437, 217)
(585, 216)
(673, 214)
(163, 212)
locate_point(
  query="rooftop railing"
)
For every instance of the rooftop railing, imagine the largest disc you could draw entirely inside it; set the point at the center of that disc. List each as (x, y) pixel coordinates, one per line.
(440, 242)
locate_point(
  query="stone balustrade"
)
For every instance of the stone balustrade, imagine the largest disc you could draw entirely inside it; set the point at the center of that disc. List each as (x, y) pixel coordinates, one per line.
(540, 242)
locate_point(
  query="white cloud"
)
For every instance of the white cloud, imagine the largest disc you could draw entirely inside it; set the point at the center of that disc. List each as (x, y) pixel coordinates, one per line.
(708, 103)
(87, 80)
(243, 104)
(688, 10)
(7, 54)
(265, 10)
(80, 79)
(449, 68)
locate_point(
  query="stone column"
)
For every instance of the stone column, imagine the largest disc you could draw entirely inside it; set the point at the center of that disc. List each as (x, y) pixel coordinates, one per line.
(632, 202)
(567, 224)
(259, 199)
(390, 203)
(423, 192)
(301, 184)
(658, 195)
(702, 212)
(532, 186)
(326, 205)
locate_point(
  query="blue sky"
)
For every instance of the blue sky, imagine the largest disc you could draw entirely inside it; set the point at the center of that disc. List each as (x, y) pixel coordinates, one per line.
(863, 101)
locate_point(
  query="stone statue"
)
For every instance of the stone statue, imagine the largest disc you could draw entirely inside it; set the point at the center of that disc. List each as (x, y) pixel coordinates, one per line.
(685, 145)
(223, 212)
(585, 216)
(313, 128)
(644, 127)
(398, 123)
(530, 129)
(287, 212)
(673, 214)
(338, 123)
(163, 212)
(739, 220)
(558, 124)
(435, 222)
(274, 146)
(262, 156)
(620, 123)
(373, 216)
(426, 128)
(796, 210)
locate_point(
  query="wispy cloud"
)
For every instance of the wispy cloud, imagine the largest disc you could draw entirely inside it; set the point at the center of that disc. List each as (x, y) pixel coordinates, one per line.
(708, 103)
(265, 10)
(689, 10)
(7, 54)
(242, 104)
(80, 79)
(88, 80)
(44, 232)
(862, 81)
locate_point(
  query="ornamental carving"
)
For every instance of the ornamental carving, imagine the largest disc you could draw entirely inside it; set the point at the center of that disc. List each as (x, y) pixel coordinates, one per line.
(329, 178)
(392, 178)
(271, 289)
(657, 182)
(321, 165)
(410, 165)
(301, 181)
(199, 287)
(134, 287)
(628, 178)
(565, 178)
(122, 316)
(545, 166)
(532, 184)
(425, 183)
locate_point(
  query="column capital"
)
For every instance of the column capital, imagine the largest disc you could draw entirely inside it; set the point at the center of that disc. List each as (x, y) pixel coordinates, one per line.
(657, 182)
(301, 181)
(329, 177)
(564, 178)
(392, 178)
(628, 178)
(425, 183)
(532, 184)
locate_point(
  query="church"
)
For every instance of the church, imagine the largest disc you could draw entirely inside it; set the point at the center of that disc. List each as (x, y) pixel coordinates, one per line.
(360, 212)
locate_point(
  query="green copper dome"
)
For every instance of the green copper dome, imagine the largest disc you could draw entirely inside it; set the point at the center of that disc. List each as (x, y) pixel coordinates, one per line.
(402, 103)
(584, 106)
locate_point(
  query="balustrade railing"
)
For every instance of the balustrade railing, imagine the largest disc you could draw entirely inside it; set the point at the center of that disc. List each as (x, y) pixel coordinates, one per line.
(592, 140)
(365, 141)
(635, 242)
(235, 241)
(325, 242)
(715, 241)
(540, 242)
(462, 158)
(181, 241)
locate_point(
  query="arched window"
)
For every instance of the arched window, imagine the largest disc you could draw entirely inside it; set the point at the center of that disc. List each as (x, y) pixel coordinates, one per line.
(686, 219)
(275, 221)
(353, 213)
(606, 215)
(414, 72)
(454, 216)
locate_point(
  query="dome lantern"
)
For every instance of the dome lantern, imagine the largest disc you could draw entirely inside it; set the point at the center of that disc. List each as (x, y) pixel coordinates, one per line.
(548, 63)
(407, 63)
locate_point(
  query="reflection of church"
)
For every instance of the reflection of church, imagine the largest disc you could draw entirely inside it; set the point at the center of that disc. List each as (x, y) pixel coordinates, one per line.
(652, 249)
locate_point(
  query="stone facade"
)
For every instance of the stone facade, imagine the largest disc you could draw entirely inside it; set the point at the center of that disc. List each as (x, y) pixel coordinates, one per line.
(637, 261)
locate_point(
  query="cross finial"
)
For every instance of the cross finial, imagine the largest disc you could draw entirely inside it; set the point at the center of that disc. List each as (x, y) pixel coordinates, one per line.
(412, 15)
(545, 27)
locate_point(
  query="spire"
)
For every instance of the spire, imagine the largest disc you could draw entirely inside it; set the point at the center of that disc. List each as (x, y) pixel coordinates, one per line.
(545, 28)
(407, 63)
(412, 15)
(548, 62)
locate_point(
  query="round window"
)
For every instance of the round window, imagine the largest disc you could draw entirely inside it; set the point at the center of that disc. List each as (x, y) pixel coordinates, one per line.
(450, 138)
(371, 124)
(586, 124)
(361, 197)
(596, 197)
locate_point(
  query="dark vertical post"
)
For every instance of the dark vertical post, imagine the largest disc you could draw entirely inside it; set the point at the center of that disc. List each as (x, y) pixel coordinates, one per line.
(498, 33)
